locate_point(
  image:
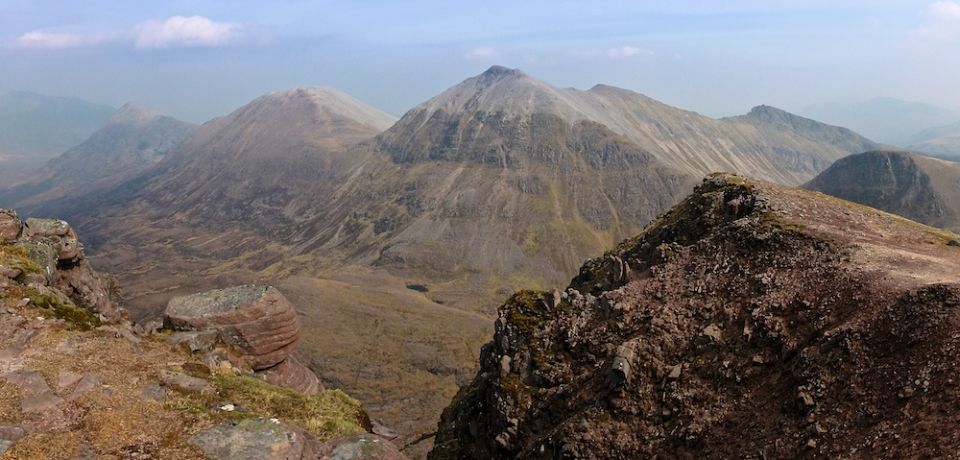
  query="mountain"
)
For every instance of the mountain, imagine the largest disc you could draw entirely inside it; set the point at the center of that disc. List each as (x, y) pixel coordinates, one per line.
(399, 244)
(885, 119)
(767, 143)
(132, 141)
(920, 188)
(942, 142)
(36, 127)
(751, 320)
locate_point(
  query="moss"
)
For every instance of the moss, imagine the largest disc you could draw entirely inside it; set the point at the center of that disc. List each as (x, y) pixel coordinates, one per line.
(772, 219)
(53, 307)
(513, 386)
(526, 310)
(328, 414)
(531, 242)
(18, 257)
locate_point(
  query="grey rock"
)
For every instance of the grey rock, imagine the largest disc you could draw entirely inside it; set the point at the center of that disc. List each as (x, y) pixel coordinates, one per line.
(195, 340)
(251, 439)
(360, 447)
(184, 383)
(153, 392)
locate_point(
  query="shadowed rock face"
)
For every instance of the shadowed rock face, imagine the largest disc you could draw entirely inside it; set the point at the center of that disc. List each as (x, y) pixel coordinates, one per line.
(818, 327)
(914, 186)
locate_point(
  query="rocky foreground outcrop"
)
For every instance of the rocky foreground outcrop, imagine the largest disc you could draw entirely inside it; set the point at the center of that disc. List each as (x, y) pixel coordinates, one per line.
(751, 321)
(78, 381)
(257, 322)
(59, 268)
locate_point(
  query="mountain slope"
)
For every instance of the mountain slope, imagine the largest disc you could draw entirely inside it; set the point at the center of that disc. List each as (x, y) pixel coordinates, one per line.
(788, 152)
(132, 141)
(943, 142)
(884, 119)
(35, 128)
(818, 327)
(914, 186)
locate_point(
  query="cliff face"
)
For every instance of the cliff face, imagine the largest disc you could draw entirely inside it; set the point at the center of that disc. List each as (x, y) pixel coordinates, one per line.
(750, 320)
(917, 187)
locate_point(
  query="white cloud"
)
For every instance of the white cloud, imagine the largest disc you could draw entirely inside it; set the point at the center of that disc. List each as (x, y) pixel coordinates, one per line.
(49, 40)
(942, 24)
(183, 31)
(627, 51)
(173, 32)
(483, 52)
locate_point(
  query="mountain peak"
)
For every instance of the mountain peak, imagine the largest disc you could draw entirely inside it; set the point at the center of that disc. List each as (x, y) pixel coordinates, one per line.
(498, 72)
(132, 114)
(325, 99)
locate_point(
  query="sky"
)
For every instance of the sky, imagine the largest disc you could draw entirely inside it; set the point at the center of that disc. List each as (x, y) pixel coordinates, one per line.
(197, 59)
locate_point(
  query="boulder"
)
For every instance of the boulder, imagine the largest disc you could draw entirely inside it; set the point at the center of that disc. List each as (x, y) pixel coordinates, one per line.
(184, 383)
(257, 320)
(251, 439)
(47, 228)
(360, 447)
(10, 226)
(291, 374)
(8, 436)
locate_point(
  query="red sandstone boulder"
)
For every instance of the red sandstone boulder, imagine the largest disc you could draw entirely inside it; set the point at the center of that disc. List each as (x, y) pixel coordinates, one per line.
(257, 320)
(291, 374)
(10, 225)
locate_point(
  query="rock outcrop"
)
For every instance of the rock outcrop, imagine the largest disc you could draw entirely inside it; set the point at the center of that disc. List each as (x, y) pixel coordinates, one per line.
(58, 265)
(77, 384)
(257, 322)
(751, 321)
(252, 439)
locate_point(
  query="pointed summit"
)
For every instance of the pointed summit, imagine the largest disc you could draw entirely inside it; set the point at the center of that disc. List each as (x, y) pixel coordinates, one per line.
(498, 72)
(320, 99)
(132, 114)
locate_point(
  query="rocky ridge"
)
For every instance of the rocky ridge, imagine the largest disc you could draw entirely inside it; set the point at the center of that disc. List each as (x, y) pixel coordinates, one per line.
(750, 321)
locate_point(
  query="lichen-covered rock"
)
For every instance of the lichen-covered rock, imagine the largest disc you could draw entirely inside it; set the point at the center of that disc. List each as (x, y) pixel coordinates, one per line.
(360, 447)
(251, 439)
(59, 263)
(290, 373)
(258, 320)
(56, 233)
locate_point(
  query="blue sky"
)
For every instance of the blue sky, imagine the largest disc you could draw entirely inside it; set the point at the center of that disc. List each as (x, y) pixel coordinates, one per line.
(201, 58)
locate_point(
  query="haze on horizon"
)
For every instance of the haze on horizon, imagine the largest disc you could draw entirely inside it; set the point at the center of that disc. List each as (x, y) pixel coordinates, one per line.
(203, 58)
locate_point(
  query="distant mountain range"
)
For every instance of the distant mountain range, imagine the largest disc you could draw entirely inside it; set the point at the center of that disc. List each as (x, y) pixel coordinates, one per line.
(500, 174)
(412, 230)
(36, 127)
(132, 141)
(942, 141)
(919, 188)
(884, 119)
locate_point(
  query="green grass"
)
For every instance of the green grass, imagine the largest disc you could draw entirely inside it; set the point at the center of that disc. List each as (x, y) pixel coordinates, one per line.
(18, 257)
(328, 414)
(75, 316)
